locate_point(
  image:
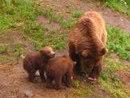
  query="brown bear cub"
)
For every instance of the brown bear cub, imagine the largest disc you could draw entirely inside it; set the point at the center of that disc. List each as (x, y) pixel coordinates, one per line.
(60, 69)
(37, 61)
(87, 43)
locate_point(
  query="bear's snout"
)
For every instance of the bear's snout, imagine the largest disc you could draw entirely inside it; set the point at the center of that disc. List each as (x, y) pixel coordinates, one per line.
(52, 54)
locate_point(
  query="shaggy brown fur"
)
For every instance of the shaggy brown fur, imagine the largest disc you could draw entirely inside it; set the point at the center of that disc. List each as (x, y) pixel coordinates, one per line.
(87, 44)
(37, 61)
(60, 69)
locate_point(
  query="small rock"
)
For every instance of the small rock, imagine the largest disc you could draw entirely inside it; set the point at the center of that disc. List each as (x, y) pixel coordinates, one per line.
(28, 93)
(25, 93)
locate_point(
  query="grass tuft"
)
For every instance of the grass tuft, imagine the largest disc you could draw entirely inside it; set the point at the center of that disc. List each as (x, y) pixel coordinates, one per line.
(119, 5)
(78, 14)
(118, 42)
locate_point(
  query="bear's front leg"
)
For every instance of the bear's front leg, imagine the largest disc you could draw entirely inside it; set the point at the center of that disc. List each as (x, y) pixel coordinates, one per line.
(74, 57)
(49, 82)
(94, 74)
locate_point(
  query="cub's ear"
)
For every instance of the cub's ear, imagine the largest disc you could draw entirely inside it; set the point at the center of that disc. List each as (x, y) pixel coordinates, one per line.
(42, 52)
(84, 53)
(104, 51)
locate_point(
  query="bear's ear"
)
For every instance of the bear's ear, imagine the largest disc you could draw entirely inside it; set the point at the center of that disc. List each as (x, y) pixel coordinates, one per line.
(103, 51)
(42, 52)
(84, 53)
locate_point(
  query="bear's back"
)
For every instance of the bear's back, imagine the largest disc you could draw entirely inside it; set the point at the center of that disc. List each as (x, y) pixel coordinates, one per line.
(89, 32)
(59, 63)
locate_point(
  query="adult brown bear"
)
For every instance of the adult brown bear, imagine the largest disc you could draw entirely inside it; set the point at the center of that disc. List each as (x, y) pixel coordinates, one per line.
(87, 43)
(37, 60)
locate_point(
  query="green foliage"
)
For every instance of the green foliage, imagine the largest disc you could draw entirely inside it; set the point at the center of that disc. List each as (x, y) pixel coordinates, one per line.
(4, 59)
(52, 16)
(105, 76)
(15, 11)
(17, 49)
(119, 5)
(69, 23)
(3, 48)
(114, 87)
(82, 92)
(118, 42)
(41, 37)
(76, 84)
(78, 14)
(110, 79)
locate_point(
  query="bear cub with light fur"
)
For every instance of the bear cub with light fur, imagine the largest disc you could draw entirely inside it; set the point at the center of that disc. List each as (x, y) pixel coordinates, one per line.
(37, 61)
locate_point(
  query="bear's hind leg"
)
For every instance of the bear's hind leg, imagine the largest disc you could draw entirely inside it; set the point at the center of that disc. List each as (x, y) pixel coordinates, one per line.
(68, 80)
(58, 83)
(49, 82)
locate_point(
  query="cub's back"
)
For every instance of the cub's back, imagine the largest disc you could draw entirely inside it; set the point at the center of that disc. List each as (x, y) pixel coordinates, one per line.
(58, 65)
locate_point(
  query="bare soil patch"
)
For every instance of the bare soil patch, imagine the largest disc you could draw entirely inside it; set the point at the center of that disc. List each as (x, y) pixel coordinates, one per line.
(14, 84)
(67, 7)
(48, 24)
(124, 77)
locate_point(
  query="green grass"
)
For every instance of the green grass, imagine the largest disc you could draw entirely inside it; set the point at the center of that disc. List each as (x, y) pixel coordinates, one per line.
(119, 5)
(3, 48)
(82, 90)
(26, 12)
(114, 86)
(41, 39)
(77, 14)
(15, 11)
(110, 80)
(116, 91)
(4, 59)
(41, 36)
(118, 42)
(12, 13)
(76, 84)
(52, 16)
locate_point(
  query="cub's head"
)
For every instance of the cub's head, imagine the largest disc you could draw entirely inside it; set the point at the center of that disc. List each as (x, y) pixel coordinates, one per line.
(47, 52)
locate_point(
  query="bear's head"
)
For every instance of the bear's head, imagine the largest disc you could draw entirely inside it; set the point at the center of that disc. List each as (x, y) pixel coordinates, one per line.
(47, 52)
(89, 58)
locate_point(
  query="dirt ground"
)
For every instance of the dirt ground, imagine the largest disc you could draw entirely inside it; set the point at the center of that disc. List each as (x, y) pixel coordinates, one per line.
(13, 79)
